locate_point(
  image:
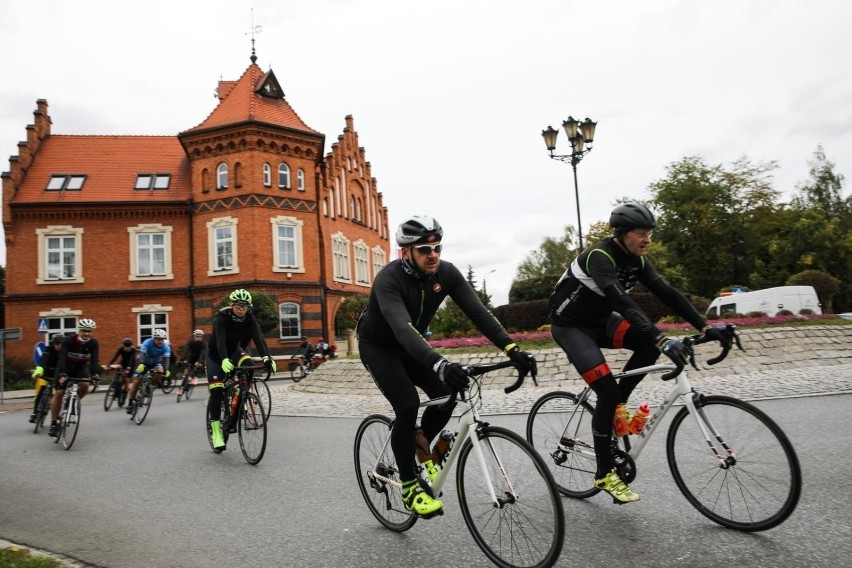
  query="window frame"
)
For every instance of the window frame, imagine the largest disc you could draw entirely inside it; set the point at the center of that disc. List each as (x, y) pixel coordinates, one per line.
(212, 250)
(153, 182)
(295, 317)
(222, 176)
(68, 182)
(342, 271)
(159, 319)
(284, 170)
(59, 231)
(300, 179)
(267, 175)
(151, 229)
(298, 242)
(362, 263)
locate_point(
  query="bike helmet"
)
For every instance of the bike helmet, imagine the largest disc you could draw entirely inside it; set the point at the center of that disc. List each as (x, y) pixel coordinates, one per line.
(419, 229)
(57, 338)
(629, 216)
(197, 332)
(127, 342)
(159, 334)
(240, 295)
(86, 324)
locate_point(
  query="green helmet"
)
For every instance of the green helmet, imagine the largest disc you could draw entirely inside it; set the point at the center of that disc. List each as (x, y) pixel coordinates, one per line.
(240, 295)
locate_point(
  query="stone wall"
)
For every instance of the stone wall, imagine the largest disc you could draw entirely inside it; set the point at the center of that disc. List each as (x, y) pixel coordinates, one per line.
(765, 349)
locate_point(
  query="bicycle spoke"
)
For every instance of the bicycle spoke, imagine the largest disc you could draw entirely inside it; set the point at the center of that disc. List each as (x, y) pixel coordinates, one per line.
(252, 429)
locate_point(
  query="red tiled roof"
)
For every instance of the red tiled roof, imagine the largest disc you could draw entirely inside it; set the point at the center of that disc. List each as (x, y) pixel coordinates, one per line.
(111, 165)
(242, 103)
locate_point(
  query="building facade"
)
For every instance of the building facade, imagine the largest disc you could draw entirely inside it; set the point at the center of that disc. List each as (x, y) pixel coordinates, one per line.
(147, 232)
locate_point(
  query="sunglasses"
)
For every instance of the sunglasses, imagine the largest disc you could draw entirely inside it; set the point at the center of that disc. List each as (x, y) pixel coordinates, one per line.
(242, 305)
(426, 249)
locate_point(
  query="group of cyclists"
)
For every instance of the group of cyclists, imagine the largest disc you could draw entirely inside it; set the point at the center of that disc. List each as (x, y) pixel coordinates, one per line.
(590, 309)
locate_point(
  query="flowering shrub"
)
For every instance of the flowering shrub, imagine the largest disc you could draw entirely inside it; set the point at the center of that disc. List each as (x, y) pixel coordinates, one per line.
(542, 335)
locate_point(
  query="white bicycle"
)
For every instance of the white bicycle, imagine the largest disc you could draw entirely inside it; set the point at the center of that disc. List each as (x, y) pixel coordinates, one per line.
(730, 460)
(506, 492)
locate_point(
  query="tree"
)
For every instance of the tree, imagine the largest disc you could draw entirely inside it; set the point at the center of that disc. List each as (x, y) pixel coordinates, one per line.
(350, 309)
(540, 270)
(825, 284)
(450, 319)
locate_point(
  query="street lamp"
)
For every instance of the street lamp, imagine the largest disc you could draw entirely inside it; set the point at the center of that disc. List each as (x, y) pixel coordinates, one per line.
(580, 135)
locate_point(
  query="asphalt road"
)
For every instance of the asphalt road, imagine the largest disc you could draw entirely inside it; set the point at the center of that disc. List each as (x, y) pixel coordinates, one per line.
(128, 496)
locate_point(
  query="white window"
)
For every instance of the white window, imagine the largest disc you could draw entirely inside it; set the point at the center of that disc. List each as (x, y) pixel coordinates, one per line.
(267, 175)
(287, 244)
(362, 263)
(284, 176)
(288, 313)
(150, 317)
(340, 251)
(222, 176)
(379, 259)
(60, 255)
(151, 252)
(300, 179)
(66, 182)
(60, 320)
(222, 253)
(153, 181)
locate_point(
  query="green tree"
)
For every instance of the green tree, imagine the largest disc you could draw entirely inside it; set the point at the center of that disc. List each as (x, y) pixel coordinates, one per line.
(540, 270)
(825, 284)
(350, 309)
(450, 319)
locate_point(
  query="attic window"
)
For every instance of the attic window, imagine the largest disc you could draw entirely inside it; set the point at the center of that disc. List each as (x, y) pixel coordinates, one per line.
(65, 182)
(153, 181)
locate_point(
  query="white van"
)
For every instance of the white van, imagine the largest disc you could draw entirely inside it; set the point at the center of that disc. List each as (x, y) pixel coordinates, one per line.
(768, 301)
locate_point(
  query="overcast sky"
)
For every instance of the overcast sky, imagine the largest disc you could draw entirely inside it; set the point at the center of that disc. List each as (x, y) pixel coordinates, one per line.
(449, 97)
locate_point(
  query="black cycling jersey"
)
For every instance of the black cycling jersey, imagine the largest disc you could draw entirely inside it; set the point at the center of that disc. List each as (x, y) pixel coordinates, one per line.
(78, 360)
(230, 332)
(48, 361)
(403, 303)
(599, 281)
(126, 356)
(194, 351)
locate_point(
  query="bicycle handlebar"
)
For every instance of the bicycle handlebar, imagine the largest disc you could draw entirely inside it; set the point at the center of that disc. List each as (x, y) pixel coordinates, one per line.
(731, 337)
(477, 370)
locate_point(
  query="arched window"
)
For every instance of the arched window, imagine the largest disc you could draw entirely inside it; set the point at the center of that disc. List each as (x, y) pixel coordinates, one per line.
(267, 175)
(222, 176)
(300, 179)
(284, 176)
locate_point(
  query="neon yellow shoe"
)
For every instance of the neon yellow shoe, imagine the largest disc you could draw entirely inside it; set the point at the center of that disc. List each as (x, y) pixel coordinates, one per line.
(218, 439)
(431, 469)
(621, 420)
(420, 502)
(612, 484)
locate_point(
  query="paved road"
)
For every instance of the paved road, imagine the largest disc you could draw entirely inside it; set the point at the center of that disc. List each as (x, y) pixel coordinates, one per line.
(156, 496)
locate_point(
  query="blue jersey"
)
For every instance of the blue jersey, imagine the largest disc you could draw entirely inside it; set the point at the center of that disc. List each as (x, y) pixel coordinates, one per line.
(151, 355)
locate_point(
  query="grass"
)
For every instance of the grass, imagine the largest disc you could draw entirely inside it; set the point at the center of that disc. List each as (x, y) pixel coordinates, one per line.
(17, 557)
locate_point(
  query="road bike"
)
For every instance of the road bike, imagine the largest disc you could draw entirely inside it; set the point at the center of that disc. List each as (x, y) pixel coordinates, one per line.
(242, 413)
(117, 390)
(505, 490)
(188, 379)
(69, 414)
(301, 368)
(260, 387)
(730, 460)
(144, 396)
(167, 383)
(43, 405)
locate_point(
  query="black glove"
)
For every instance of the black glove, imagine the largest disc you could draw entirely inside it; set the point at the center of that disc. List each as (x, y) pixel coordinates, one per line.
(716, 333)
(524, 362)
(453, 375)
(673, 349)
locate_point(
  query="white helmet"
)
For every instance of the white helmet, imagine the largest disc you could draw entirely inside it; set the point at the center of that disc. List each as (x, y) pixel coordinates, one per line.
(198, 332)
(418, 229)
(159, 334)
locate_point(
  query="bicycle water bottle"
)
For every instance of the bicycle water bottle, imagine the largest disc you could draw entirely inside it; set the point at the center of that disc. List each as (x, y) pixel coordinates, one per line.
(639, 419)
(621, 420)
(235, 401)
(445, 440)
(421, 446)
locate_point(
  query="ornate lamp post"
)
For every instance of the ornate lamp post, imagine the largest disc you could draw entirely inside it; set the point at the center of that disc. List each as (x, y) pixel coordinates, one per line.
(581, 135)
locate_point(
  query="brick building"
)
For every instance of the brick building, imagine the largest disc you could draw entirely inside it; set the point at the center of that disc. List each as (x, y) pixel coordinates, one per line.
(146, 232)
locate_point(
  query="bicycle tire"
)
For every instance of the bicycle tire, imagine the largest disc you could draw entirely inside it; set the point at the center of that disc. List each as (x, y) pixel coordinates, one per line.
(251, 429)
(143, 402)
(111, 395)
(561, 433)
(42, 409)
(187, 393)
(223, 417)
(184, 384)
(372, 447)
(528, 527)
(70, 423)
(760, 487)
(167, 385)
(297, 373)
(261, 389)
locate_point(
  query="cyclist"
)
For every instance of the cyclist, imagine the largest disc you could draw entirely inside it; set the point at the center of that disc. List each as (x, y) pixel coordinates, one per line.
(155, 354)
(126, 355)
(233, 328)
(591, 308)
(306, 349)
(45, 370)
(405, 296)
(78, 359)
(194, 354)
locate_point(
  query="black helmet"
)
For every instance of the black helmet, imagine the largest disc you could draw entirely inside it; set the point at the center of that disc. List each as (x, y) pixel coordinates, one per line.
(418, 229)
(127, 342)
(629, 216)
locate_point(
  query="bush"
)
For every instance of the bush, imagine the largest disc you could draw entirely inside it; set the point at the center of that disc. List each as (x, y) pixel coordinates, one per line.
(803, 311)
(17, 373)
(756, 315)
(784, 313)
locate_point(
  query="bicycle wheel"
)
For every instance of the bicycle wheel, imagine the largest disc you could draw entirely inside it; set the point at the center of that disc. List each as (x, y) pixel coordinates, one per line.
(261, 389)
(187, 393)
(297, 372)
(252, 429)
(758, 485)
(111, 395)
(373, 456)
(527, 525)
(143, 402)
(167, 385)
(560, 430)
(70, 423)
(223, 415)
(42, 409)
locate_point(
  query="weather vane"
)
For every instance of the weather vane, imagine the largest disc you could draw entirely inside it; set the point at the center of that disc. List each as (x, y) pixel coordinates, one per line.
(253, 31)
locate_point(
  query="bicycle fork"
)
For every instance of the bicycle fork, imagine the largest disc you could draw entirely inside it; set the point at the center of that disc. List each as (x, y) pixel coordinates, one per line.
(723, 453)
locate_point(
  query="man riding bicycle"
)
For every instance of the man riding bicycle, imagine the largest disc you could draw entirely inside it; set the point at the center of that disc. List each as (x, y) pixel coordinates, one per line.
(45, 371)
(126, 357)
(591, 308)
(154, 355)
(233, 328)
(195, 354)
(78, 359)
(405, 296)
